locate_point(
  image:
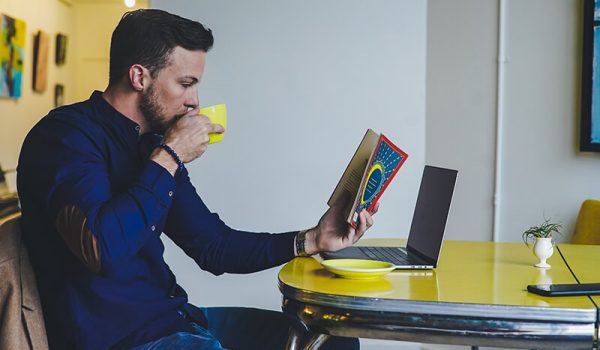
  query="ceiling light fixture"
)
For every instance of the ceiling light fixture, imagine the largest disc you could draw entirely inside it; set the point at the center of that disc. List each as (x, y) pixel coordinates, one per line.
(130, 3)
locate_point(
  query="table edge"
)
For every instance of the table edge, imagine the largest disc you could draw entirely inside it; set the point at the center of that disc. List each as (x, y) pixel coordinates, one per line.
(496, 311)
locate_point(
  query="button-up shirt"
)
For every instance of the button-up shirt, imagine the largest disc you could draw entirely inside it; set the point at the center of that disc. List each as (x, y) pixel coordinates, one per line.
(94, 207)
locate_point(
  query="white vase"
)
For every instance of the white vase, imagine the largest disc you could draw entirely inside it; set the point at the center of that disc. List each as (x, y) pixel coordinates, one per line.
(543, 249)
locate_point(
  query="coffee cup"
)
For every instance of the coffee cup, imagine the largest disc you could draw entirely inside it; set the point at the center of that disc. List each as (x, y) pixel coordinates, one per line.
(217, 115)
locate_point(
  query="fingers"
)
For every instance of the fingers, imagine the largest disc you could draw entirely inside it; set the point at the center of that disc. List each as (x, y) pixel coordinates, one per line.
(375, 208)
(365, 222)
(368, 219)
(362, 227)
(188, 136)
(214, 128)
(204, 121)
(217, 128)
(195, 111)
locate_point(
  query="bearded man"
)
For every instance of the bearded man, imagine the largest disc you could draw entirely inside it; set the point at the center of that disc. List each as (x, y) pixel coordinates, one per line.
(101, 180)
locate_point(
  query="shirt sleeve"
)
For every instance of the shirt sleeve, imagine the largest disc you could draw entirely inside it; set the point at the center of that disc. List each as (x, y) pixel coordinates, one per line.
(98, 224)
(214, 246)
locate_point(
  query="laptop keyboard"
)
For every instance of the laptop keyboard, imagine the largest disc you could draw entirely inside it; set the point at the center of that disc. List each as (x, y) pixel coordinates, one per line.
(394, 255)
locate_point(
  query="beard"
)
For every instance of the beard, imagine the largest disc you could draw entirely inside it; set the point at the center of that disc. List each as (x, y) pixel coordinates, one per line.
(153, 113)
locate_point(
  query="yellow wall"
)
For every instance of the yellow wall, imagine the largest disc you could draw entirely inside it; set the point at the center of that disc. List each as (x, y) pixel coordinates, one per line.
(95, 21)
(17, 116)
(88, 25)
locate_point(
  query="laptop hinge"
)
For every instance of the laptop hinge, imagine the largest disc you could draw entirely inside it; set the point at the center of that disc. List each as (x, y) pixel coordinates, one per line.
(424, 257)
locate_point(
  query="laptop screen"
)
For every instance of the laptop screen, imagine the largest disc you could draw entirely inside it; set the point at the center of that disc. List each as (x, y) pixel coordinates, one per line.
(431, 212)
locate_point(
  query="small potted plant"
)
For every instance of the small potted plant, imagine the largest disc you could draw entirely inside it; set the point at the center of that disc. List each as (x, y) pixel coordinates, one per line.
(542, 236)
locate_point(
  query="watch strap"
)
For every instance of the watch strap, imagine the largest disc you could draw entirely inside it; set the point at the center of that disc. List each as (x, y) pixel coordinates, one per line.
(300, 243)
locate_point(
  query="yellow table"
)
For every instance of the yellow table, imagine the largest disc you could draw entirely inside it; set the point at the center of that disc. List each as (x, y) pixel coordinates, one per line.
(584, 261)
(476, 296)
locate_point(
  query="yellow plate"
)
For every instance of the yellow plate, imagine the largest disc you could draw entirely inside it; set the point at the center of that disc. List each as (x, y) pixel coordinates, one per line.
(358, 268)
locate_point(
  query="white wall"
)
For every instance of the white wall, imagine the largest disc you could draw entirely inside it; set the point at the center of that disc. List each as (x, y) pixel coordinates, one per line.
(461, 78)
(303, 81)
(543, 174)
(18, 115)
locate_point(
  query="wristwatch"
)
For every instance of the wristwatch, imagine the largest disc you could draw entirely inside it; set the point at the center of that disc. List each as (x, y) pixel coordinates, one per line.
(300, 240)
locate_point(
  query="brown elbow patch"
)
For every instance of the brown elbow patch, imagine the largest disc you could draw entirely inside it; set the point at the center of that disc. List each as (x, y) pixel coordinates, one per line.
(70, 223)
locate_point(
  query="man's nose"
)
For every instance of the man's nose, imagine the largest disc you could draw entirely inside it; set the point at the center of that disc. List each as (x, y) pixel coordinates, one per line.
(192, 101)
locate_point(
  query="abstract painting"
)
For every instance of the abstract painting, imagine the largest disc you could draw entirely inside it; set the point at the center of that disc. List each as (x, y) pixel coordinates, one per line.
(12, 55)
(40, 61)
(589, 139)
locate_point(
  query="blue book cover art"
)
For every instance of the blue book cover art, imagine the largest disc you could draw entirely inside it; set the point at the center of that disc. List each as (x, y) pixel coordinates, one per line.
(383, 166)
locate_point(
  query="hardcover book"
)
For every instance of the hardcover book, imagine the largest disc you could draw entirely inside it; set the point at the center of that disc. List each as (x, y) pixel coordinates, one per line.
(371, 169)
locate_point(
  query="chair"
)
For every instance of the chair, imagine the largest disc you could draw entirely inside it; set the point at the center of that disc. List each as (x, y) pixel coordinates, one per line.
(21, 319)
(587, 226)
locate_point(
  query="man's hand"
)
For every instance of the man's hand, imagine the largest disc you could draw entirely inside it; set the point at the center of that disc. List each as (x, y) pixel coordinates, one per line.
(334, 233)
(188, 137)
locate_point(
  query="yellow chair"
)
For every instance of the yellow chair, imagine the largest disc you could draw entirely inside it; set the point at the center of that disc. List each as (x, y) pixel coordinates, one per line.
(587, 227)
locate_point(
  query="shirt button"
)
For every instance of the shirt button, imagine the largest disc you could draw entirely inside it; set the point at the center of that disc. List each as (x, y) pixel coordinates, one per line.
(170, 193)
(137, 128)
(153, 228)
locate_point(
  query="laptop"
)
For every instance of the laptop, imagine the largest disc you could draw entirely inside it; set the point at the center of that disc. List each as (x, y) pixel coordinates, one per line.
(426, 230)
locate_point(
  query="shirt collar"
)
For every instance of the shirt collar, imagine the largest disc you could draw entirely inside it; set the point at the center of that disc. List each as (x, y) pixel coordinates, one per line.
(112, 116)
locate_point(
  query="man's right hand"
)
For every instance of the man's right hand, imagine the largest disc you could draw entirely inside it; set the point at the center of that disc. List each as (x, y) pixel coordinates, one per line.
(188, 137)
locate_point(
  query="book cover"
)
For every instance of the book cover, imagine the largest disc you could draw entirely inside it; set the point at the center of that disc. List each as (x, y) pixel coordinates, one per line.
(371, 169)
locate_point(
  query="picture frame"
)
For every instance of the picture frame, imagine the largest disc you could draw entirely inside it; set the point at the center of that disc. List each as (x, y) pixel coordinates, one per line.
(59, 90)
(61, 49)
(40, 61)
(589, 140)
(12, 56)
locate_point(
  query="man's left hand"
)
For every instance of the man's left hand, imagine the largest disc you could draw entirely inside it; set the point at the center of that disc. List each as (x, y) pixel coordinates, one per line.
(334, 233)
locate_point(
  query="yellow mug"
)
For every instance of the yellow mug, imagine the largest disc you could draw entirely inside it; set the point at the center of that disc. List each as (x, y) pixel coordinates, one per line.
(217, 115)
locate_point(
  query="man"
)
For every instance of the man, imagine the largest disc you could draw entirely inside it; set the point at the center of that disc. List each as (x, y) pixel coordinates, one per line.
(100, 180)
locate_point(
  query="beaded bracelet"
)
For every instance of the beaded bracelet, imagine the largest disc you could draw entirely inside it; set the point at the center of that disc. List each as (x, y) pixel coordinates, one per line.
(173, 154)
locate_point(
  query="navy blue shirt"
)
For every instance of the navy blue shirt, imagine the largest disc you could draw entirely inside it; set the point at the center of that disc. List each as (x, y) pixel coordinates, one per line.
(94, 207)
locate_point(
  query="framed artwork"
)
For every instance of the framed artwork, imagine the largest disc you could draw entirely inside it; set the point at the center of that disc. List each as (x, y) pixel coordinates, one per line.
(40, 61)
(589, 139)
(59, 91)
(61, 49)
(12, 56)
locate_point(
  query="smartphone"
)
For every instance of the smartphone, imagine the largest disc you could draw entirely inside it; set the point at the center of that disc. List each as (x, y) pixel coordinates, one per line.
(551, 290)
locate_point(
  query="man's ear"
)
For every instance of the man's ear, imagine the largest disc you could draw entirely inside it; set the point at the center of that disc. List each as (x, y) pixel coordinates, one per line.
(137, 77)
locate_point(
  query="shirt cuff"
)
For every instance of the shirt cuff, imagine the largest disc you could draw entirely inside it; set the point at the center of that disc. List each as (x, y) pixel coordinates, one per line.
(160, 181)
(283, 247)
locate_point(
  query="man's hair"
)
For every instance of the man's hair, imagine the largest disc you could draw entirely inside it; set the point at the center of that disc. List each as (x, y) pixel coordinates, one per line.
(148, 36)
